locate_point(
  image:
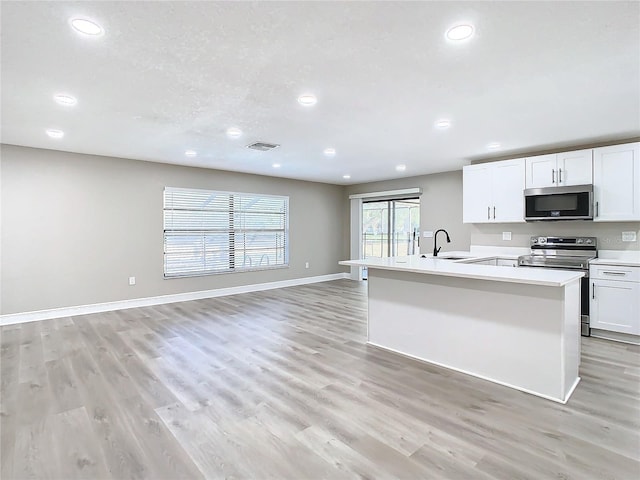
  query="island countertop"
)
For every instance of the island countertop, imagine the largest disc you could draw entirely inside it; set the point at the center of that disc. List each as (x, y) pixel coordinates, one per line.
(445, 267)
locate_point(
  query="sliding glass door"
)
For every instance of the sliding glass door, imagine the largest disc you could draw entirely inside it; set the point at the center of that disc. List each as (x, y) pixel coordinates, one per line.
(390, 228)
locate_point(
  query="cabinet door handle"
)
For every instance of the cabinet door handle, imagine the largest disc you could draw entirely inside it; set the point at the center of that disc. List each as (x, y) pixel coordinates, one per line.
(560, 175)
(614, 273)
(488, 213)
(553, 175)
(593, 291)
(494, 213)
(597, 208)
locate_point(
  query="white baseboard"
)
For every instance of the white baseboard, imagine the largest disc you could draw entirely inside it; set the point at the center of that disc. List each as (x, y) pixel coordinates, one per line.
(615, 336)
(13, 318)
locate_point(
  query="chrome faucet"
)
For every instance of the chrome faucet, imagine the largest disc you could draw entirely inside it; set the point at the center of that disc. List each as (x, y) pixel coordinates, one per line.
(435, 241)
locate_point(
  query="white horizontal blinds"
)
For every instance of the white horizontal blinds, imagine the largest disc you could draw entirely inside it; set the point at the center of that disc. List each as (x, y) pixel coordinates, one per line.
(260, 230)
(211, 232)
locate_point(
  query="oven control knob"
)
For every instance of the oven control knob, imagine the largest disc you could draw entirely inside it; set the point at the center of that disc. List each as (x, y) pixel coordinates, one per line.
(542, 240)
(589, 241)
(580, 240)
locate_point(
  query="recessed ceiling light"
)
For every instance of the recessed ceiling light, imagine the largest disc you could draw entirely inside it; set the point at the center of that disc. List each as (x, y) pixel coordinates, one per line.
(190, 153)
(55, 133)
(443, 123)
(276, 165)
(346, 177)
(401, 168)
(234, 132)
(86, 27)
(330, 152)
(307, 100)
(66, 100)
(493, 145)
(460, 32)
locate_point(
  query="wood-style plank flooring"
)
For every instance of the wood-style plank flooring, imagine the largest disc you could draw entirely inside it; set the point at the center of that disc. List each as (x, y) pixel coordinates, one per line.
(280, 384)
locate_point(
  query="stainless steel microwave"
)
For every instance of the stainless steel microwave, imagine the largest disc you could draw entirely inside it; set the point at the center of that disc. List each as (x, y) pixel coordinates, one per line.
(559, 203)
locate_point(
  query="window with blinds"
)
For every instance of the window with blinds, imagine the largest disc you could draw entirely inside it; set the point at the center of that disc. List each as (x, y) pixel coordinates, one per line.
(208, 232)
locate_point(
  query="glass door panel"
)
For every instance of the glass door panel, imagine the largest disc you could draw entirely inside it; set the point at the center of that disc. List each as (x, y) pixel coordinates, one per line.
(406, 227)
(390, 228)
(375, 229)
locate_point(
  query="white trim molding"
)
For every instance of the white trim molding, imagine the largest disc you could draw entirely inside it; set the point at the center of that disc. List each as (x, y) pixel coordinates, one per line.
(356, 237)
(388, 194)
(13, 318)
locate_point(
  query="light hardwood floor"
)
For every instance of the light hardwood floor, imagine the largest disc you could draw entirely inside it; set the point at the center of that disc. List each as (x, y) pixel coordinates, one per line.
(280, 384)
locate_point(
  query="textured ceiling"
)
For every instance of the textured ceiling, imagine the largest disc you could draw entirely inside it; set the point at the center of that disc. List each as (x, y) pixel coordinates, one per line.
(172, 76)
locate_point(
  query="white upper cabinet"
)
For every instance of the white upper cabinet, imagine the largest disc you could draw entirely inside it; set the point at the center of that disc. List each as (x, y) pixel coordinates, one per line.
(493, 192)
(541, 171)
(508, 187)
(476, 195)
(616, 183)
(559, 169)
(575, 168)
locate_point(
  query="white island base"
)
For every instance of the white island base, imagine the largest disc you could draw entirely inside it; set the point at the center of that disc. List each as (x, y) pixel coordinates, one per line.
(522, 335)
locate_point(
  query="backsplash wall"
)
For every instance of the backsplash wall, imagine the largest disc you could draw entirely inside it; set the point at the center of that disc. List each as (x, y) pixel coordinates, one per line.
(609, 234)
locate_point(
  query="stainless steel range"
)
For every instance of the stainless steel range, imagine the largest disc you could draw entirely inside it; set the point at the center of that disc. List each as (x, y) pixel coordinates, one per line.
(567, 253)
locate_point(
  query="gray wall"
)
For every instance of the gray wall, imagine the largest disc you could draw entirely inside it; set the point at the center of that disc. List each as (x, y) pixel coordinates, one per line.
(440, 206)
(75, 227)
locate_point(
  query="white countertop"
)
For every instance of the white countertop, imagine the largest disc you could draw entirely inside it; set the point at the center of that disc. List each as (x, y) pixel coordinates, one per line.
(616, 257)
(451, 268)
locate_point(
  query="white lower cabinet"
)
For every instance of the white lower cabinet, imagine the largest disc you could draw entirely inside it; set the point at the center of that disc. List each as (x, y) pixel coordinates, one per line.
(615, 298)
(507, 262)
(496, 262)
(489, 261)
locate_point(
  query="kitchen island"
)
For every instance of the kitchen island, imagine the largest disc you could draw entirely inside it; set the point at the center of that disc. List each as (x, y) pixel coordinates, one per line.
(519, 327)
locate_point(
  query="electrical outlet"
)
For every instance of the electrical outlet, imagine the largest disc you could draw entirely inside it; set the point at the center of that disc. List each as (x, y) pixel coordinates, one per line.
(306, 265)
(427, 234)
(629, 236)
(506, 235)
(132, 280)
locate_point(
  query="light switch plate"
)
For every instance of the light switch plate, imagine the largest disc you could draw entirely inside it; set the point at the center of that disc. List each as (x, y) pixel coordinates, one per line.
(427, 234)
(506, 235)
(132, 280)
(629, 236)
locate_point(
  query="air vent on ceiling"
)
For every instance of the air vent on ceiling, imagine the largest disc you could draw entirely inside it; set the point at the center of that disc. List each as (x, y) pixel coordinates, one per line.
(263, 146)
